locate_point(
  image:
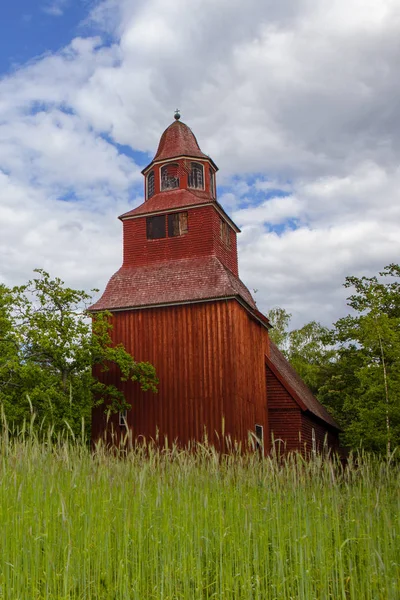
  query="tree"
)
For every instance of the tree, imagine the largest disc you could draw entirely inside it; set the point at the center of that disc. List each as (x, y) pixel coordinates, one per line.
(364, 386)
(279, 319)
(54, 345)
(354, 369)
(8, 341)
(307, 348)
(311, 353)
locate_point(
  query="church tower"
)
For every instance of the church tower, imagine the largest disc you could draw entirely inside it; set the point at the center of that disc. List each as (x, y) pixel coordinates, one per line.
(178, 303)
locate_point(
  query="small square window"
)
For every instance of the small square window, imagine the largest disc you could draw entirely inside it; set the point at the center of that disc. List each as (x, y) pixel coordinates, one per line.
(177, 224)
(155, 227)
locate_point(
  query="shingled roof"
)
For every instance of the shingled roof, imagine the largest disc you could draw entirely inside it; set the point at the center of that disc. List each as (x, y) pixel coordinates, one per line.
(167, 282)
(296, 387)
(176, 199)
(169, 200)
(178, 140)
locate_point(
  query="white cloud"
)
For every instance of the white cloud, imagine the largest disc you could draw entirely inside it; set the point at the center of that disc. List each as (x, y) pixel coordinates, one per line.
(266, 185)
(55, 8)
(271, 212)
(346, 226)
(288, 96)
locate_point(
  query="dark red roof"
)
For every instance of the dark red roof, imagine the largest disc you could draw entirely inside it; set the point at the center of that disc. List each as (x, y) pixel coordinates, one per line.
(175, 281)
(178, 140)
(168, 201)
(296, 387)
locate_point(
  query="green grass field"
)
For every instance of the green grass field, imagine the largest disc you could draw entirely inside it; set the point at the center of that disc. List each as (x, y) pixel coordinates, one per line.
(171, 524)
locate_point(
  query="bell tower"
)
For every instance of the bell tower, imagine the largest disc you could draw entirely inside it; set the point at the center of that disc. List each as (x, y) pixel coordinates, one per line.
(177, 302)
(179, 244)
(180, 164)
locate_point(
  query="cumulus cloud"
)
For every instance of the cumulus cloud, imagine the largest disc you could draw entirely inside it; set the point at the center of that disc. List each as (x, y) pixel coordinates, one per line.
(296, 101)
(332, 227)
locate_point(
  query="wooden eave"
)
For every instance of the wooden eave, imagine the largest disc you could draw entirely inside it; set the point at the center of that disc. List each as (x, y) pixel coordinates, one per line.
(254, 314)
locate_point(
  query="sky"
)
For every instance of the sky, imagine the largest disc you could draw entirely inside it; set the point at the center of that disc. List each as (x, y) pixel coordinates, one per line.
(296, 101)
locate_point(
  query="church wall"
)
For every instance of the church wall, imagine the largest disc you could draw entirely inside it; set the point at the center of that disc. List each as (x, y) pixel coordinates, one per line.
(227, 253)
(284, 415)
(285, 429)
(209, 358)
(316, 436)
(288, 423)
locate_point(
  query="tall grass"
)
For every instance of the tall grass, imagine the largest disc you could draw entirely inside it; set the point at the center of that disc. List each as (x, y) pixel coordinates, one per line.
(169, 524)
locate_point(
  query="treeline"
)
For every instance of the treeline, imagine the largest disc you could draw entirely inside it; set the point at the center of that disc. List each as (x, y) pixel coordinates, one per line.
(49, 346)
(353, 368)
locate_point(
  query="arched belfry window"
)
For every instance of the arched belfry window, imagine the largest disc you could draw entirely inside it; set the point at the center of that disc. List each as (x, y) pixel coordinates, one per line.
(150, 185)
(169, 176)
(196, 176)
(212, 183)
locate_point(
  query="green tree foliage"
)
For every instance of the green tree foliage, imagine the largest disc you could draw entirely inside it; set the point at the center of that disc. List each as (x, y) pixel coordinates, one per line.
(279, 319)
(306, 348)
(364, 387)
(8, 341)
(354, 368)
(48, 348)
(311, 353)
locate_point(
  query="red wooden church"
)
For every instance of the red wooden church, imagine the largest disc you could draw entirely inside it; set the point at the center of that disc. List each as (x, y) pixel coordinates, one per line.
(178, 302)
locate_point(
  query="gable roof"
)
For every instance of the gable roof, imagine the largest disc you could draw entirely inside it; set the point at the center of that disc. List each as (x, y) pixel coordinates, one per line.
(174, 281)
(296, 387)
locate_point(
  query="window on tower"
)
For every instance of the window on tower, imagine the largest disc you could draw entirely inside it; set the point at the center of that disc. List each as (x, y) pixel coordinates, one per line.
(169, 176)
(196, 176)
(177, 224)
(212, 183)
(225, 233)
(173, 225)
(156, 227)
(150, 185)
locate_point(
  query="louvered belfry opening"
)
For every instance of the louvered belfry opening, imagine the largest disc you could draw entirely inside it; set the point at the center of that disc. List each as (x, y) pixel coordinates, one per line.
(212, 183)
(169, 176)
(155, 227)
(150, 185)
(177, 224)
(196, 176)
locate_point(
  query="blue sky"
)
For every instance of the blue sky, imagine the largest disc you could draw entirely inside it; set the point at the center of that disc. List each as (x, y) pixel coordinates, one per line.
(308, 144)
(29, 29)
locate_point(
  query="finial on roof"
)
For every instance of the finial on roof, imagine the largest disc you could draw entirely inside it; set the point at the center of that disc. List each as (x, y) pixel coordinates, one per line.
(177, 114)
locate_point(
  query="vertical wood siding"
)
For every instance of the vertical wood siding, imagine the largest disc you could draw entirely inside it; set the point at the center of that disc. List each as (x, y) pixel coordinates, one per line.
(209, 358)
